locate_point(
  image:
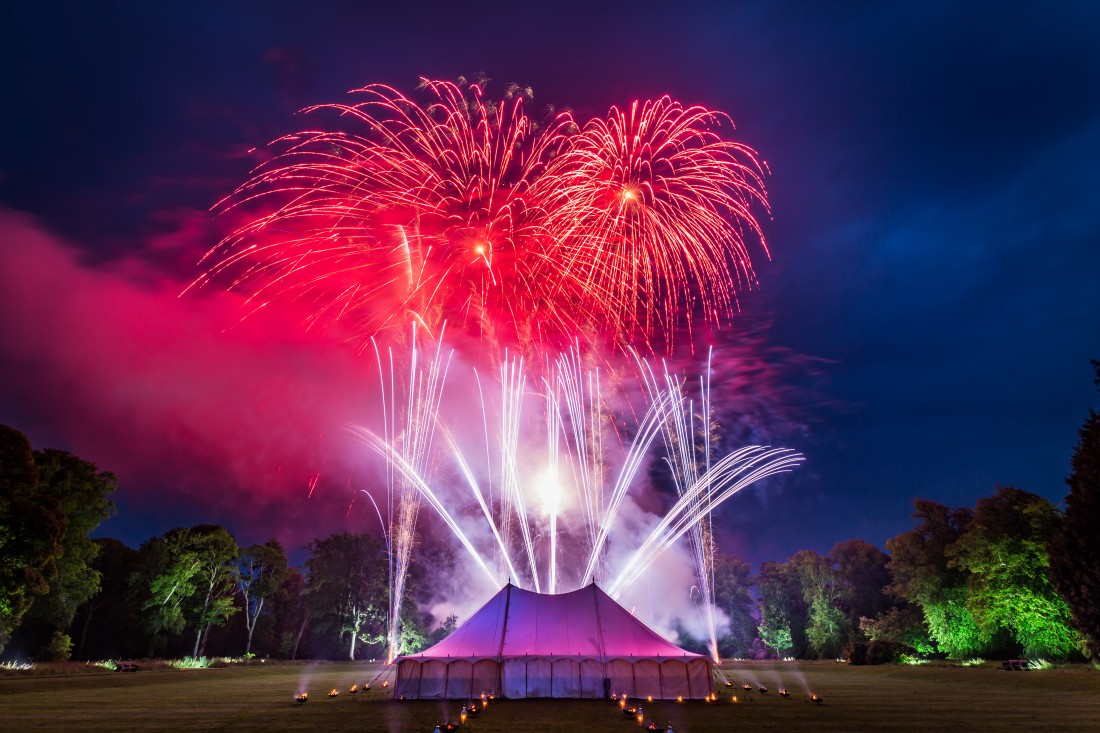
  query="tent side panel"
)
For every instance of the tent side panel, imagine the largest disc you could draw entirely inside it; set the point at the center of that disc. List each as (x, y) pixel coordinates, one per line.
(647, 679)
(674, 679)
(566, 678)
(699, 678)
(514, 682)
(486, 678)
(408, 679)
(621, 673)
(539, 678)
(592, 673)
(433, 677)
(459, 679)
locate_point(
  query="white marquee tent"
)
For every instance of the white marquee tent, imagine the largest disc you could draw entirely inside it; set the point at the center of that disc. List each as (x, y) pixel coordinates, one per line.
(525, 644)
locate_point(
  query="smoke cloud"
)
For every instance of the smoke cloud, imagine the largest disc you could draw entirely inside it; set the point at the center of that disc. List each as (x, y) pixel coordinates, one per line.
(208, 417)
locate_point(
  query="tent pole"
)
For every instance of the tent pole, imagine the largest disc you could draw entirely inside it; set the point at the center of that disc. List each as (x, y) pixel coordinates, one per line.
(599, 632)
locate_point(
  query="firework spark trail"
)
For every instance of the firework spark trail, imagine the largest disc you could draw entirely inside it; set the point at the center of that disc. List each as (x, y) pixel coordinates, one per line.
(648, 430)
(687, 438)
(409, 473)
(513, 388)
(575, 397)
(670, 414)
(406, 464)
(471, 481)
(736, 471)
(462, 209)
(552, 489)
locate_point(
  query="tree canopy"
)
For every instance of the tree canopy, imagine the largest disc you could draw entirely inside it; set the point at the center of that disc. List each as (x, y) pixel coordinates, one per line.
(188, 579)
(921, 575)
(32, 530)
(83, 495)
(261, 572)
(1004, 553)
(347, 588)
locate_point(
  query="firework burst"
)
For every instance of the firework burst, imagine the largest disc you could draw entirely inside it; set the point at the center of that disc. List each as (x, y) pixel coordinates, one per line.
(445, 206)
(652, 208)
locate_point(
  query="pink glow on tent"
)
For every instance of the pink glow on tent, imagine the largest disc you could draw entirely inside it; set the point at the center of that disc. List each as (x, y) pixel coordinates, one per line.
(583, 623)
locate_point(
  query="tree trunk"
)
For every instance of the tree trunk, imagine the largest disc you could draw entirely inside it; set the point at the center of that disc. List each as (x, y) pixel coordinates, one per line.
(205, 608)
(250, 623)
(301, 630)
(356, 625)
(205, 636)
(84, 629)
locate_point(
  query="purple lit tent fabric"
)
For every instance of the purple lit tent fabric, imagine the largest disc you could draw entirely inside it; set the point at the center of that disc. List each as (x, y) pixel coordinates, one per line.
(526, 644)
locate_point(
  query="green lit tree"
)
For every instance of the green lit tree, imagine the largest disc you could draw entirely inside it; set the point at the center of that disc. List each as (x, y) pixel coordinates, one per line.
(827, 626)
(32, 527)
(1004, 553)
(1075, 544)
(188, 578)
(83, 495)
(216, 580)
(164, 580)
(783, 613)
(441, 632)
(293, 613)
(921, 576)
(902, 625)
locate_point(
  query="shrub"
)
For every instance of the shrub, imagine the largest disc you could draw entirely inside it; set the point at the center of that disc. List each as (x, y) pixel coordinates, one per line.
(58, 649)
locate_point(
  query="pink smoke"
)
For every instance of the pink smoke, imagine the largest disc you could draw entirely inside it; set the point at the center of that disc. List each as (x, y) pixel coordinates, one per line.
(185, 402)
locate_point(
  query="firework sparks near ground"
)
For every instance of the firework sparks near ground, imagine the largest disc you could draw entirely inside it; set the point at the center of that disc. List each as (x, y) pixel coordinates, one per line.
(525, 543)
(557, 243)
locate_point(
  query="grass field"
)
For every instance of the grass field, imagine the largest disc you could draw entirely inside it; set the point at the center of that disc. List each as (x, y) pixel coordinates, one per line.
(259, 698)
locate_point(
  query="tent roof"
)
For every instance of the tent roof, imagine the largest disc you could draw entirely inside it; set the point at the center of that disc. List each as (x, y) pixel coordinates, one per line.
(583, 623)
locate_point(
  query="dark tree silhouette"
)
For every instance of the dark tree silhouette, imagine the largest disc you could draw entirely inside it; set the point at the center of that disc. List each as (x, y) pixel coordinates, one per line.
(733, 594)
(864, 577)
(1075, 545)
(347, 588)
(261, 571)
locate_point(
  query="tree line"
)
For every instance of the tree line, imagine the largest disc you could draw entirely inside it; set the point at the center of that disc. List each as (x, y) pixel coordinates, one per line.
(1013, 575)
(192, 591)
(963, 583)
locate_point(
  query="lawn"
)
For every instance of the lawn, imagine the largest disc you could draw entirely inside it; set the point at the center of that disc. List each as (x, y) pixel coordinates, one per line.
(260, 698)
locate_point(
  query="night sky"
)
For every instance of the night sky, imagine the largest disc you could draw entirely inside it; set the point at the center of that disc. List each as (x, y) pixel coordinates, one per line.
(924, 327)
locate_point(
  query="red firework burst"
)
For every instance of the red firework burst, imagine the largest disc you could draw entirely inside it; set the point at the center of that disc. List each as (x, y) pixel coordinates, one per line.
(463, 210)
(652, 207)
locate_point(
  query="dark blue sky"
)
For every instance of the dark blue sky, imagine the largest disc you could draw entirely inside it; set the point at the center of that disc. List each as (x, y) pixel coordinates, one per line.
(936, 232)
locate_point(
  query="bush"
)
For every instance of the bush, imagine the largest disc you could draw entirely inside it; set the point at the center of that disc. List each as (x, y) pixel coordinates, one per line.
(58, 649)
(856, 653)
(191, 663)
(887, 652)
(877, 652)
